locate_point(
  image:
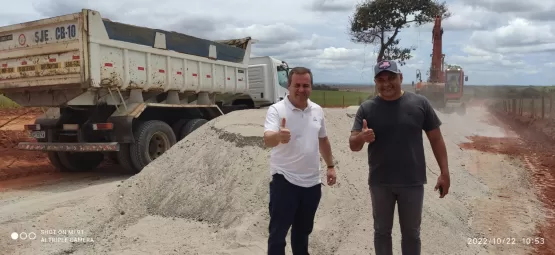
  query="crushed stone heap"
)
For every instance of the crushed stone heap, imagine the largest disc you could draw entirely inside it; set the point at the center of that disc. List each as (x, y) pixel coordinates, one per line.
(209, 195)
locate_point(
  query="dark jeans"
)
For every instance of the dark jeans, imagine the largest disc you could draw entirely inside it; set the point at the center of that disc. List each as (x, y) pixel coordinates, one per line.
(409, 200)
(291, 206)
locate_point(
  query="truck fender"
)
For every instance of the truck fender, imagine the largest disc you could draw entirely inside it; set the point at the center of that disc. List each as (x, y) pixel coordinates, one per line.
(123, 129)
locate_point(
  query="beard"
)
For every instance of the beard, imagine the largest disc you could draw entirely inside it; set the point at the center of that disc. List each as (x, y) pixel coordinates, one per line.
(388, 90)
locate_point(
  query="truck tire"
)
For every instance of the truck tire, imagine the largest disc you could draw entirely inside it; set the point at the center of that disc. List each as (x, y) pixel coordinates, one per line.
(55, 161)
(191, 126)
(80, 161)
(177, 126)
(124, 159)
(152, 139)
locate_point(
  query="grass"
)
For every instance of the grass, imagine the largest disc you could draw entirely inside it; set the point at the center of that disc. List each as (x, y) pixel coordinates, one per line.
(321, 97)
(338, 98)
(7, 103)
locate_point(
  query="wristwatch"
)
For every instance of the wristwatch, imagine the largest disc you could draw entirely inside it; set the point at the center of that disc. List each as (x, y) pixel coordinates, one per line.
(332, 166)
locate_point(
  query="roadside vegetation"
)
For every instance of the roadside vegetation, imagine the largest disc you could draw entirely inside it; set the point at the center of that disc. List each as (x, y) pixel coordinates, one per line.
(7, 103)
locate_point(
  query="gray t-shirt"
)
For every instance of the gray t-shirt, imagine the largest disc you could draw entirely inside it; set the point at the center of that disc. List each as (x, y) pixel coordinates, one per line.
(396, 157)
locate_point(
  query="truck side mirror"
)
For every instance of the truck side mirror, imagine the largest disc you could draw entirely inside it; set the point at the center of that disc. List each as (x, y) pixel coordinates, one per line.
(413, 83)
(466, 78)
(417, 76)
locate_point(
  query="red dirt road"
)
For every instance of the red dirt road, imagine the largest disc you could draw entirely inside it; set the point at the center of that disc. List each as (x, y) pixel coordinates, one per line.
(18, 168)
(536, 147)
(15, 164)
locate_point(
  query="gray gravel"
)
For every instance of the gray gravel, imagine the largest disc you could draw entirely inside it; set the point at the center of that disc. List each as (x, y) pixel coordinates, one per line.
(209, 195)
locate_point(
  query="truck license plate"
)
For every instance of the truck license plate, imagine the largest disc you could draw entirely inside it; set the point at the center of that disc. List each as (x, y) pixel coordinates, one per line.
(38, 134)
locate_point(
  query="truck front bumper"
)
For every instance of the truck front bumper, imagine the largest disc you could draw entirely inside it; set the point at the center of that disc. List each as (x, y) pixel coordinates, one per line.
(72, 147)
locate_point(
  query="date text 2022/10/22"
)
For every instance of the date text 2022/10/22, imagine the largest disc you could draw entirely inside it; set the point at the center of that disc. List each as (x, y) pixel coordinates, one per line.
(60, 33)
(506, 241)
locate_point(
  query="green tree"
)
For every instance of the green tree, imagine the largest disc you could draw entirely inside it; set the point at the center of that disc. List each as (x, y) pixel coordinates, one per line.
(379, 22)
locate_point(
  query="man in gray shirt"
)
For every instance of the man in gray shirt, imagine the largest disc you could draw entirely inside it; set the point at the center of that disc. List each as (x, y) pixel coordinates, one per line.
(392, 123)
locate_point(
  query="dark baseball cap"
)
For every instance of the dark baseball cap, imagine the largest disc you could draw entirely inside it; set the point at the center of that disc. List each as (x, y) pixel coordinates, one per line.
(386, 65)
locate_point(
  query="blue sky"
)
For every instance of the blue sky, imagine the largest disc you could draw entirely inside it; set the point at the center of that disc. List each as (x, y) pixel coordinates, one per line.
(497, 42)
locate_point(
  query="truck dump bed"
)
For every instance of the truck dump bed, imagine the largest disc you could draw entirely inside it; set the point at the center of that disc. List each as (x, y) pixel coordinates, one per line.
(51, 61)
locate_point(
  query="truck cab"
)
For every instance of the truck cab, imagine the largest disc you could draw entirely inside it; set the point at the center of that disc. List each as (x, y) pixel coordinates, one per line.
(454, 82)
(267, 80)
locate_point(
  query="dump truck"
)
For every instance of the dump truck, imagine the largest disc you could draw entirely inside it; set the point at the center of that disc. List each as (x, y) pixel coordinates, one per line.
(126, 92)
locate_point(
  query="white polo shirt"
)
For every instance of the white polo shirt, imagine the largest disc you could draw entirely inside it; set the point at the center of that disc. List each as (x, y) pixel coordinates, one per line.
(299, 160)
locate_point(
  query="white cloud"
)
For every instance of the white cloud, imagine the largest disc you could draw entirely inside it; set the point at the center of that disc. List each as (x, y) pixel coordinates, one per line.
(466, 17)
(519, 36)
(313, 33)
(478, 59)
(510, 5)
(269, 33)
(341, 54)
(540, 10)
(331, 5)
(418, 64)
(336, 58)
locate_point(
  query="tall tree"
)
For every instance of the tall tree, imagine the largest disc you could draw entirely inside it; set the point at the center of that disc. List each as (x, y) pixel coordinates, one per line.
(379, 22)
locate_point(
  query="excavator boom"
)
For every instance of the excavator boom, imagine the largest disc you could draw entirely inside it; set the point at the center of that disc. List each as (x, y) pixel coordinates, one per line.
(436, 68)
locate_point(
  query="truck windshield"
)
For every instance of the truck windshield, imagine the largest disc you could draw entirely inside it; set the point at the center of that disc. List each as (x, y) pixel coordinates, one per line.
(453, 82)
(282, 77)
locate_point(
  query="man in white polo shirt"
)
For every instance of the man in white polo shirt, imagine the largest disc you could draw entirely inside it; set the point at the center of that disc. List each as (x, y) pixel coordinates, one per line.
(295, 129)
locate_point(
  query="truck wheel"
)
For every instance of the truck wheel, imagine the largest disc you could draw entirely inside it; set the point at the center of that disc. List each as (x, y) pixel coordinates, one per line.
(152, 139)
(55, 161)
(81, 161)
(177, 126)
(124, 158)
(191, 126)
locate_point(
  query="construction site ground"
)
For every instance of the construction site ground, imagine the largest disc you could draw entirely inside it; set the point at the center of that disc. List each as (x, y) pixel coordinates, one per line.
(213, 200)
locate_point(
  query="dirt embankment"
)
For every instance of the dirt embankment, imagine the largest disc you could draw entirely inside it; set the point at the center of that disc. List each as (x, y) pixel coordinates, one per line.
(20, 168)
(15, 164)
(535, 146)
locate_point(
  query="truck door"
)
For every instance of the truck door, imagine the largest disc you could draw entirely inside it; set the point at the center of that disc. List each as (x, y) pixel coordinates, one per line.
(281, 90)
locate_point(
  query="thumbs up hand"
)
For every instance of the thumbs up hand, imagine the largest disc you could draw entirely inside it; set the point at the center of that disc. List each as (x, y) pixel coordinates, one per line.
(367, 134)
(284, 133)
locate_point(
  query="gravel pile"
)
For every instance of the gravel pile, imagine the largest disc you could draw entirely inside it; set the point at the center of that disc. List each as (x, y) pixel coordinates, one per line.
(209, 195)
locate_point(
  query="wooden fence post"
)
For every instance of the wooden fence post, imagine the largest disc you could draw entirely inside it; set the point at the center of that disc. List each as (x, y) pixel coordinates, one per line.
(513, 105)
(521, 108)
(343, 101)
(551, 105)
(533, 106)
(543, 106)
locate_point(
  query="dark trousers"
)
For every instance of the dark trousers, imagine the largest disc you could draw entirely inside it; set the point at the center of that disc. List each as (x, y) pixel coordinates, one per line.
(409, 200)
(291, 206)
